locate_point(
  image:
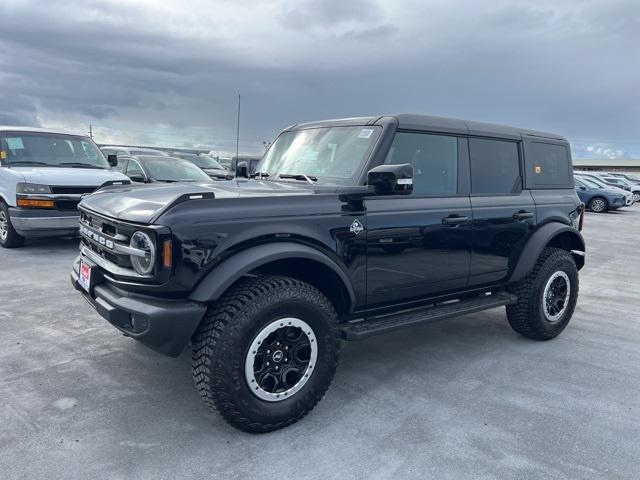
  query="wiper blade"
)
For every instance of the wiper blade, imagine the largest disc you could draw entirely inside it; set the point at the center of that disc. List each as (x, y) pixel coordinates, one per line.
(299, 176)
(260, 175)
(30, 162)
(81, 165)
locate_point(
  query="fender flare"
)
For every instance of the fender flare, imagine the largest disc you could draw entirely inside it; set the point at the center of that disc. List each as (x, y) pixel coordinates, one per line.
(212, 286)
(540, 239)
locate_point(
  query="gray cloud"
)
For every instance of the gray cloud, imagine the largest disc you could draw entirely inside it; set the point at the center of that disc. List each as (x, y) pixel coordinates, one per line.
(169, 72)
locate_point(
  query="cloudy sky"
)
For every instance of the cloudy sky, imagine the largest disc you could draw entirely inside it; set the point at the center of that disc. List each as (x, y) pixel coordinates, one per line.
(168, 72)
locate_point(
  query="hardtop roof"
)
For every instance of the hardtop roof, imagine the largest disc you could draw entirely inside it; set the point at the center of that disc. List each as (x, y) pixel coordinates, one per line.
(430, 123)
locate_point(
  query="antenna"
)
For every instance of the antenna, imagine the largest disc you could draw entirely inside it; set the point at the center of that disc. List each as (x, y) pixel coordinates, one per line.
(90, 131)
(238, 130)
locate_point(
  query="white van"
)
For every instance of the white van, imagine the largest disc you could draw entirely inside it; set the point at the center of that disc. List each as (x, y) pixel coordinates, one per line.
(43, 175)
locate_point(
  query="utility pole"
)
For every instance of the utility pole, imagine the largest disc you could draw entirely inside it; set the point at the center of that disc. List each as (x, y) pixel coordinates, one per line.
(238, 130)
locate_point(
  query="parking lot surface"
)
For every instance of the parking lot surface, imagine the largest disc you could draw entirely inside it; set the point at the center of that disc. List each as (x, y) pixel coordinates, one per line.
(464, 398)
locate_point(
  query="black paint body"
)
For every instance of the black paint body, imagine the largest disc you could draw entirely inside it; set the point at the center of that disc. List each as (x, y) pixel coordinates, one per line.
(412, 250)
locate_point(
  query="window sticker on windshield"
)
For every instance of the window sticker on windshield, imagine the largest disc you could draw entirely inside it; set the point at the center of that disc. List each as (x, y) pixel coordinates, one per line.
(15, 143)
(538, 169)
(365, 133)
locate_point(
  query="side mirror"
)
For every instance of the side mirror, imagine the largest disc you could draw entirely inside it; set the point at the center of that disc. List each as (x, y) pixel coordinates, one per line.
(242, 170)
(391, 179)
(112, 159)
(583, 188)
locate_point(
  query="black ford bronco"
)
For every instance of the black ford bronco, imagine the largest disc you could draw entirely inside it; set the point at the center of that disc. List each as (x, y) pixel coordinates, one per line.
(348, 228)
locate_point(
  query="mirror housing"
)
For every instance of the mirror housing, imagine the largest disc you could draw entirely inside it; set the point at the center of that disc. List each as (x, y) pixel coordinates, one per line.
(391, 179)
(242, 170)
(138, 179)
(112, 159)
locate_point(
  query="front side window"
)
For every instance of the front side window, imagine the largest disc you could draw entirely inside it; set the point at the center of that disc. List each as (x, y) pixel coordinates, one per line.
(495, 167)
(51, 150)
(434, 159)
(328, 154)
(134, 169)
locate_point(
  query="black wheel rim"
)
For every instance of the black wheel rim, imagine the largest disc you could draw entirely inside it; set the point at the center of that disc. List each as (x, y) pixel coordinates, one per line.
(280, 359)
(556, 296)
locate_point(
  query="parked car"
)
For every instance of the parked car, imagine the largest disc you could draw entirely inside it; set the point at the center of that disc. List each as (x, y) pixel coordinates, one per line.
(633, 187)
(597, 199)
(207, 164)
(251, 161)
(629, 176)
(43, 175)
(159, 169)
(263, 277)
(601, 184)
(129, 151)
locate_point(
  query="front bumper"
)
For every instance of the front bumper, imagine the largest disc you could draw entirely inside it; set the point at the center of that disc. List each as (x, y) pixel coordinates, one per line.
(163, 325)
(44, 223)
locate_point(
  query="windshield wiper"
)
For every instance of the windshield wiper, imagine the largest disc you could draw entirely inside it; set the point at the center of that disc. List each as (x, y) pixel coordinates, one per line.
(81, 165)
(30, 162)
(299, 176)
(260, 175)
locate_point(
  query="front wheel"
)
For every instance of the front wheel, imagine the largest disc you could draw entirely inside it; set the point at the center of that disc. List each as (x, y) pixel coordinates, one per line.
(266, 352)
(9, 238)
(547, 297)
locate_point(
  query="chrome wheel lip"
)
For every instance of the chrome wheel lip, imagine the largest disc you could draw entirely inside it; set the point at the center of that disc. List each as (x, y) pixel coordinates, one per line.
(4, 225)
(249, 374)
(547, 292)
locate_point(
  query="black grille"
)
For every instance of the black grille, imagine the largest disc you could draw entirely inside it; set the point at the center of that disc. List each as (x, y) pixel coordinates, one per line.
(111, 230)
(72, 190)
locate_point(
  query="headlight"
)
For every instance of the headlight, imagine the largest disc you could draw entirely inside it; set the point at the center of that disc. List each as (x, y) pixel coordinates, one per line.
(32, 188)
(143, 263)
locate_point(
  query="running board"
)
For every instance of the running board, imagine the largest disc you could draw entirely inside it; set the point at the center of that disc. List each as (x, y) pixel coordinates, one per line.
(359, 330)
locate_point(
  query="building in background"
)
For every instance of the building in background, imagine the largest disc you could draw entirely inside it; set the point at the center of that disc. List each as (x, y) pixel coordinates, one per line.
(610, 165)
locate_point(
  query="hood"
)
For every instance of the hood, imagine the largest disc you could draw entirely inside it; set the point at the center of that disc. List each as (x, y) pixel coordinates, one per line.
(68, 177)
(143, 203)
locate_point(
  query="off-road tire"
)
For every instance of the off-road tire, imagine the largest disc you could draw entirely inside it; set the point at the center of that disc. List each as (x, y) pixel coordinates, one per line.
(10, 239)
(527, 316)
(598, 209)
(221, 343)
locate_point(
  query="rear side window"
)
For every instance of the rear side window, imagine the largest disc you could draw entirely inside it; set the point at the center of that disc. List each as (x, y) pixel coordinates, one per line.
(548, 164)
(495, 167)
(434, 159)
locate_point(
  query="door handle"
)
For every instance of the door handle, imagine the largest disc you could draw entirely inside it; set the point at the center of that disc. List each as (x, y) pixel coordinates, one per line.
(522, 215)
(454, 220)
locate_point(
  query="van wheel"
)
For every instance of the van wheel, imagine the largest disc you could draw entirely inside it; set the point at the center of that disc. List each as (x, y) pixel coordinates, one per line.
(547, 297)
(266, 352)
(598, 205)
(9, 238)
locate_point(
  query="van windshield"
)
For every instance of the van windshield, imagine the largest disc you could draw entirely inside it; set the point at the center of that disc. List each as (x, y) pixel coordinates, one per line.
(331, 154)
(51, 150)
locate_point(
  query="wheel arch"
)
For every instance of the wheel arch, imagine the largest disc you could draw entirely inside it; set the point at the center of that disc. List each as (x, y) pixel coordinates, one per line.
(284, 258)
(549, 235)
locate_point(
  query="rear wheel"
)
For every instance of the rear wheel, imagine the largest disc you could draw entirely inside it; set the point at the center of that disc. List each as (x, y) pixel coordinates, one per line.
(636, 196)
(598, 205)
(266, 352)
(547, 297)
(9, 238)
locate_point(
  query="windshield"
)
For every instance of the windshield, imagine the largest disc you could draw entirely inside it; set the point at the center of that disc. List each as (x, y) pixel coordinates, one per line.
(203, 161)
(332, 154)
(173, 170)
(52, 150)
